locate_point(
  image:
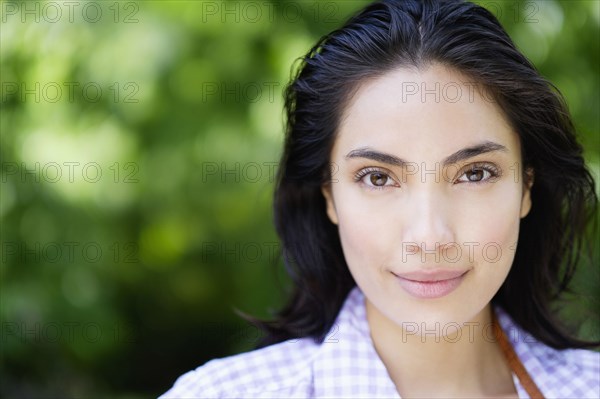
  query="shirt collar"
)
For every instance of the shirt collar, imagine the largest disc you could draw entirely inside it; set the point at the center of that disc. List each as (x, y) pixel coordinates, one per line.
(348, 365)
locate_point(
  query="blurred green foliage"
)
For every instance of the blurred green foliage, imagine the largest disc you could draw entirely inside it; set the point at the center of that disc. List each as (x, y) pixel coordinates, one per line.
(139, 143)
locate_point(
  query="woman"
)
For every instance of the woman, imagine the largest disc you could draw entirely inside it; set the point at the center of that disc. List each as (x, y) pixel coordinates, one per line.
(433, 200)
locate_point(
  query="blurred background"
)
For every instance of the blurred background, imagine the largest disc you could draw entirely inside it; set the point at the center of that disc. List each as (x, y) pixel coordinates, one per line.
(139, 142)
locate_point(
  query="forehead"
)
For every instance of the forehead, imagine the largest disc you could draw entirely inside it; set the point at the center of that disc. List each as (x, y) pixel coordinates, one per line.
(432, 111)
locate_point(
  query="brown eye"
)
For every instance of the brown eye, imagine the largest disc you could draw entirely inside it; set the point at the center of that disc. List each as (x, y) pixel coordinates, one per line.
(475, 174)
(378, 179)
(375, 178)
(478, 174)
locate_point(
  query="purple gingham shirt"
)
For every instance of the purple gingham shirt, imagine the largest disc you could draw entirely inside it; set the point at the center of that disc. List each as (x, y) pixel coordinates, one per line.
(346, 365)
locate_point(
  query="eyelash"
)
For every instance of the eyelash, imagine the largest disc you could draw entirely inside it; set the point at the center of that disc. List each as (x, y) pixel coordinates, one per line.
(494, 173)
(492, 169)
(359, 176)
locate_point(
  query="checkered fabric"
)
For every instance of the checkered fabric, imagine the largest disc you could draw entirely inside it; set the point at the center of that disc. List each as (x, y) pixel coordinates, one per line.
(346, 365)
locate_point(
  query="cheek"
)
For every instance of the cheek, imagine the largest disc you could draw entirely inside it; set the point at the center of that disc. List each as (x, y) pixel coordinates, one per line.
(493, 222)
(492, 227)
(366, 235)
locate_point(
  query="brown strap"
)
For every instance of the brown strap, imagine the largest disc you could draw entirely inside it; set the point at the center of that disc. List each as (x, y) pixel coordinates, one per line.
(513, 361)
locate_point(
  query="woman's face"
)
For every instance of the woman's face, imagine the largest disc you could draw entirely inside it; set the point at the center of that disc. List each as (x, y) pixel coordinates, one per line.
(427, 193)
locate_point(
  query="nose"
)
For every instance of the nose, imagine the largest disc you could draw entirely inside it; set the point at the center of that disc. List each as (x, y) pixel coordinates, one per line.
(427, 224)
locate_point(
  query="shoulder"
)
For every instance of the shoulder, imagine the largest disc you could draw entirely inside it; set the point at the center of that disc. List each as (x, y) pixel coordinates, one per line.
(570, 372)
(558, 373)
(282, 369)
(344, 364)
(585, 362)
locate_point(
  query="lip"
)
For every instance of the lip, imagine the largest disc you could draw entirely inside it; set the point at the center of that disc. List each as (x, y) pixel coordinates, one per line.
(430, 284)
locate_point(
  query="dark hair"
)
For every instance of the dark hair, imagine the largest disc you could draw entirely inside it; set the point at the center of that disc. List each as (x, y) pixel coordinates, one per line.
(387, 35)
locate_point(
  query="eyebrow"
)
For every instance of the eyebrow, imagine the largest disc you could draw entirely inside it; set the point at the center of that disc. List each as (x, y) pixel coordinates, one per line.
(462, 154)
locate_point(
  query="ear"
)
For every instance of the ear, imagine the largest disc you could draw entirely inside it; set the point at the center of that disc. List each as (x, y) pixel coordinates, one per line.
(331, 212)
(526, 197)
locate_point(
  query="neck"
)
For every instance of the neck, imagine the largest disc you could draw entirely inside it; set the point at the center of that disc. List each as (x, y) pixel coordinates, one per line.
(463, 364)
